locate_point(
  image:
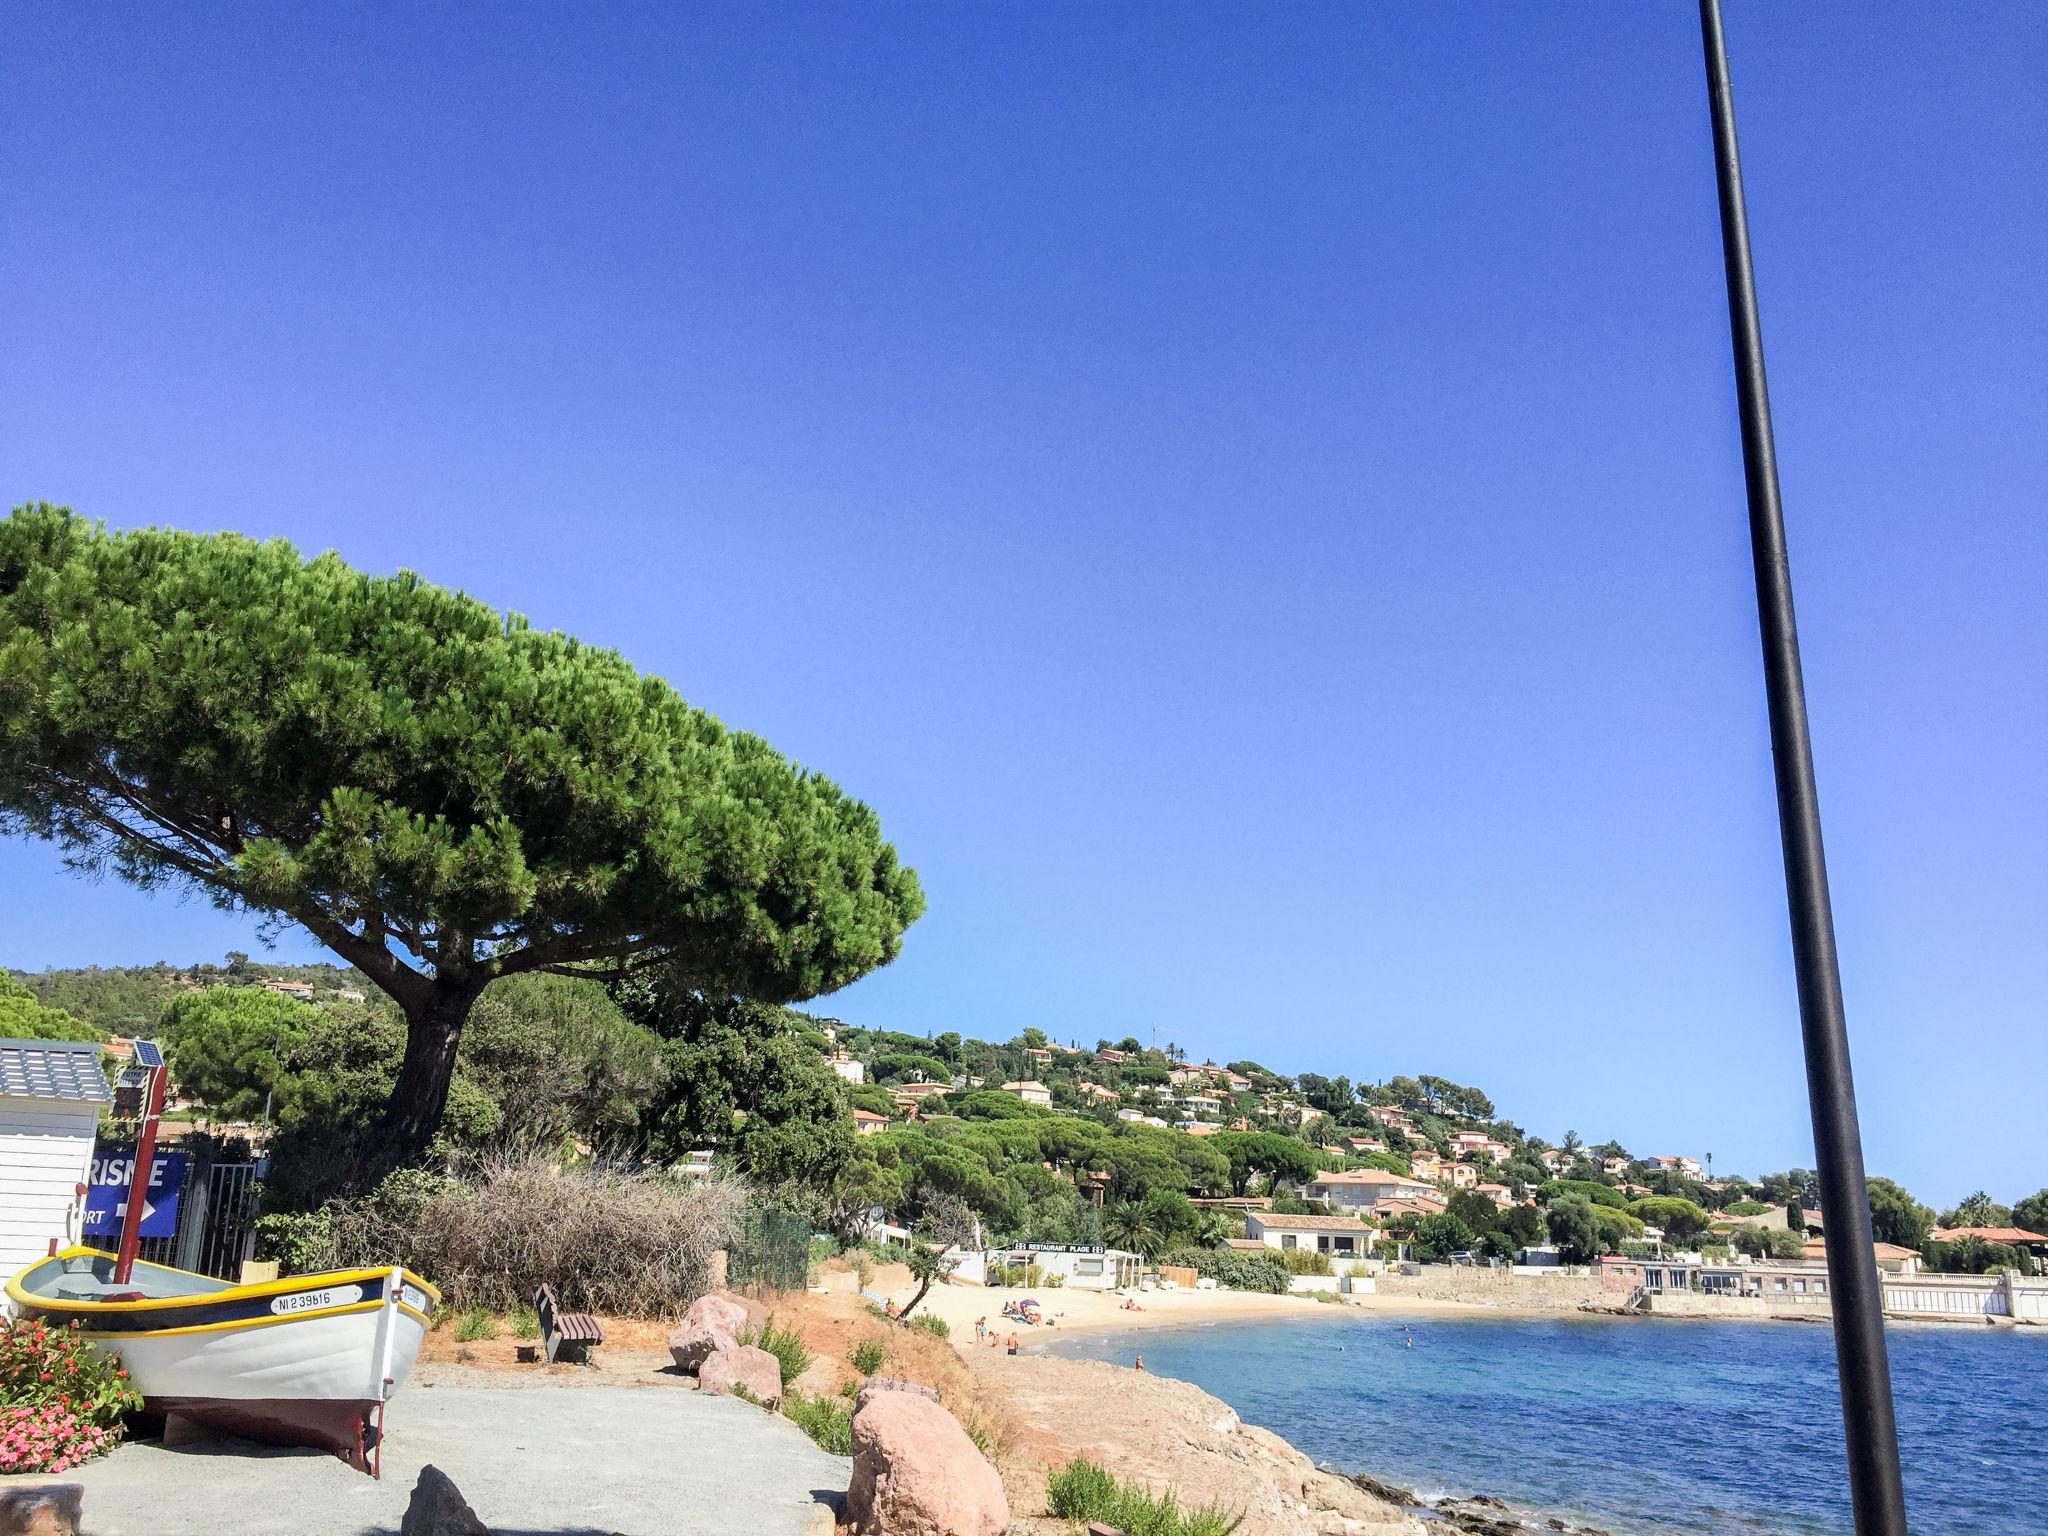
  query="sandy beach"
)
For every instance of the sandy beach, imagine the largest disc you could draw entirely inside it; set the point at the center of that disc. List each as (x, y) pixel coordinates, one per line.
(1078, 1311)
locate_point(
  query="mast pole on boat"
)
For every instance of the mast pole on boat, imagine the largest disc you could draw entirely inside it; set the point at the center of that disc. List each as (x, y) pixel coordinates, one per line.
(1855, 1290)
(151, 1059)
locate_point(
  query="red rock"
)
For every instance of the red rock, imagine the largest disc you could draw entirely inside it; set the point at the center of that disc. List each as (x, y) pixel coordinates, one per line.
(915, 1472)
(712, 1321)
(718, 1311)
(741, 1365)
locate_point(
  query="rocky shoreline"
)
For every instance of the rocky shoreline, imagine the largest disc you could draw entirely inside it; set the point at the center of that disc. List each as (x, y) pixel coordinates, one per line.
(1477, 1515)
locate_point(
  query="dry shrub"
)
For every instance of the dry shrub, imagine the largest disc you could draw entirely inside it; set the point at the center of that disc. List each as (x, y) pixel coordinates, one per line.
(629, 1243)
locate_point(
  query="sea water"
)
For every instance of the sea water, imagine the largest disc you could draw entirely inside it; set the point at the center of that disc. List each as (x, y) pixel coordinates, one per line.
(1631, 1425)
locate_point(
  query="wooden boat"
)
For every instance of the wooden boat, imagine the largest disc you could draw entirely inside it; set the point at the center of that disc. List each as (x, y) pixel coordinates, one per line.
(306, 1361)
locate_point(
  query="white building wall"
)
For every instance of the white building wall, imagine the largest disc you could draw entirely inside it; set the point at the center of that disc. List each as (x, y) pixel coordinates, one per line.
(45, 1154)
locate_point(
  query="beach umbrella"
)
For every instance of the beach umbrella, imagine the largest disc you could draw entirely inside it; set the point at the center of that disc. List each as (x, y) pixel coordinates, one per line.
(1855, 1290)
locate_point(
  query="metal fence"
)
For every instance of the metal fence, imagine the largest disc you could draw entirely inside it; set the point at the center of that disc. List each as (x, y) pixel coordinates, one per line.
(772, 1254)
(217, 1214)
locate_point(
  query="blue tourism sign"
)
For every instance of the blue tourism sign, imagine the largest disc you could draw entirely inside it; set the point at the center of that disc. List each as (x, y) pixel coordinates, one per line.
(106, 1194)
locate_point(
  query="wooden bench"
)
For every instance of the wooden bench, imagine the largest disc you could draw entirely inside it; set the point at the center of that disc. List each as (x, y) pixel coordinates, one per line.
(569, 1336)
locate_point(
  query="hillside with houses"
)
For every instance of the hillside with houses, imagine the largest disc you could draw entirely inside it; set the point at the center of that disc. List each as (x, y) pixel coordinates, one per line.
(1118, 1144)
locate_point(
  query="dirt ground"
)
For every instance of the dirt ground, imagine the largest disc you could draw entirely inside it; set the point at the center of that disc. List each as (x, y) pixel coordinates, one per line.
(1034, 1413)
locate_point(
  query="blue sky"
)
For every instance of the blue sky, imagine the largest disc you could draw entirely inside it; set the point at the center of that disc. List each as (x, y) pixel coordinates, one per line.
(1250, 494)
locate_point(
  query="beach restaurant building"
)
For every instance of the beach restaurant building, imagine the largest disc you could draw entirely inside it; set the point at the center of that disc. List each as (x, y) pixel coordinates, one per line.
(1083, 1269)
(1343, 1237)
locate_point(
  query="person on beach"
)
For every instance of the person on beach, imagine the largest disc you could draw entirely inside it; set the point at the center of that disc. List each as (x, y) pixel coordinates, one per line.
(980, 1329)
(1013, 1343)
(1140, 1364)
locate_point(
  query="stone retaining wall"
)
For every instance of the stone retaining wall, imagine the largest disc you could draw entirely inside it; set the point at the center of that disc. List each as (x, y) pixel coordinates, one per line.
(1499, 1288)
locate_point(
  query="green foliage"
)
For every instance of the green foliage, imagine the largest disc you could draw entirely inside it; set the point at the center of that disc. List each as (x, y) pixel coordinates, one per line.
(1476, 1211)
(933, 1324)
(866, 1356)
(785, 1344)
(1680, 1219)
(1977, 1210)
(475, 1323)
(238, 1049)
(524, 1323)
(2031, 1214)
(1767, 1242)
(298, 1240)
(1584, 1189)
(1084, 1491)
(828, 1421)
(1896, 1217)
(1574, 1229)
(1440, 1235)
(1522, 1225)
(1741, 1208)
(1973, 1256)
(1304, 1261)
(738, 1077)
(907, 1068)
(557, 1060)
(1234, 1268)
(439, 792)
(22, 1017)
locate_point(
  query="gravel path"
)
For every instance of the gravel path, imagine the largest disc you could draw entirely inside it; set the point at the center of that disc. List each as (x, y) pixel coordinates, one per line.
(583, 1461)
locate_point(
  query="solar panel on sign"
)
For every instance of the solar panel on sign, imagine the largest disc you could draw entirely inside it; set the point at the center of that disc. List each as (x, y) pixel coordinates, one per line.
(147, 1054)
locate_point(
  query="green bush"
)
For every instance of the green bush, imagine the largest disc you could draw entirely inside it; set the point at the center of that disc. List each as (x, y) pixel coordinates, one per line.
(475, 1324)
(1746, 1208)
(298, 1240)
(791, 1357)
(1234, 1268)
(866, 1356)
(1599, 1194)
(1305, 1261)
(932, 1324)
(1085, 1491)
(525, 1323)
(828, 1421)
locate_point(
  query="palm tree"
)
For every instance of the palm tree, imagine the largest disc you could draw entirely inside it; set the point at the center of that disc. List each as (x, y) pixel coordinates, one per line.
(1128, 1226)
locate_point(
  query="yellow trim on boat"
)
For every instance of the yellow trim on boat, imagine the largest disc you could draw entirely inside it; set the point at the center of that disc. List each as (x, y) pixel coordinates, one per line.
(247, 1322)
(88, 1309)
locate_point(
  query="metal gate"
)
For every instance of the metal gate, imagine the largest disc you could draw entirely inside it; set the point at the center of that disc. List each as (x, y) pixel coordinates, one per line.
(216, 1223)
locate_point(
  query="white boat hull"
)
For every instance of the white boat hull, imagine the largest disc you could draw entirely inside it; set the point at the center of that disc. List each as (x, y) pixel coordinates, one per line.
(309, 1360)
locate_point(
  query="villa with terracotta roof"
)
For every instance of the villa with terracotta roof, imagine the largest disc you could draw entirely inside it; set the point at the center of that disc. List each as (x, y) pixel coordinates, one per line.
(1365, 1189)
(1338, 1236)
(866, 1122)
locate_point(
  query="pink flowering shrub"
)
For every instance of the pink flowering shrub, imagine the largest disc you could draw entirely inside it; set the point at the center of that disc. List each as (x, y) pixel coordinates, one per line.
(48, 1437)
(61, 1398)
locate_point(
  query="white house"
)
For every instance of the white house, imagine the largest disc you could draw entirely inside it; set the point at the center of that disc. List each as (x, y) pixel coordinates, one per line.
(50, 1097)
(1031, 1091)
(1362, 1189)
(1339, 1236)
(847, 1069)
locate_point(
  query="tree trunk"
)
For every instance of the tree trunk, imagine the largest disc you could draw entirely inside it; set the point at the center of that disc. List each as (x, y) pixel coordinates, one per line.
(433, 1029)
(904, 1315)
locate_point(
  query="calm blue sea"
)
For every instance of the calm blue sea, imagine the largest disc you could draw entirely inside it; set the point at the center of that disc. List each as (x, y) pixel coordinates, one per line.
(1632, 1426)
